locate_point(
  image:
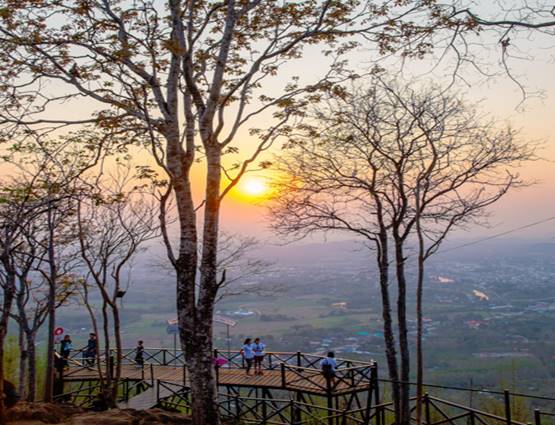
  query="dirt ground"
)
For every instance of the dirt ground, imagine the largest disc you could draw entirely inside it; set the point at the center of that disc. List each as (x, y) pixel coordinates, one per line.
(45, 413)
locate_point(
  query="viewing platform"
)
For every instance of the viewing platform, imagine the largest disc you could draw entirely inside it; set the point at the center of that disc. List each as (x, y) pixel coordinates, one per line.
(291, 391)
(281, 370)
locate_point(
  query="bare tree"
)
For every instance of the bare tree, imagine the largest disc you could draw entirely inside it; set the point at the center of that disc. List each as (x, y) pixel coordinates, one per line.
(113, 226)
(236, 261)
(48, 170)
(13, 211)
(493, 38)
(190, 74)
(32, 297)
(398, 168)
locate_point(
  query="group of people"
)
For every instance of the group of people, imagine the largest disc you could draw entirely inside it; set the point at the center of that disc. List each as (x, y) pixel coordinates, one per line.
(89, 351)
(253, 353)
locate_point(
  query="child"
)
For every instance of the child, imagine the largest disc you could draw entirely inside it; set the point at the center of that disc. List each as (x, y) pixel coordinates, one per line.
(139, 352)
(259, 348)
(247, 351)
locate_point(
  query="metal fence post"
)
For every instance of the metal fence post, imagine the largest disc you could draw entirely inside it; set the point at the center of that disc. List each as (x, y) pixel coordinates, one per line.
(264, 412)
(299, 361)
(507, 395)
(537, 417)
(329, 397)
(427, 408)
(111, 366)
(283, 375)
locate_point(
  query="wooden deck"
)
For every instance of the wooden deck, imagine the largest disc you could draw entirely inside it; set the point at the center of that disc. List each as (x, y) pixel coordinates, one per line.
(310, 381)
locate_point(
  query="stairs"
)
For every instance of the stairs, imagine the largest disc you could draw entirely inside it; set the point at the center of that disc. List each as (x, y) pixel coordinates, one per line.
(145, 400)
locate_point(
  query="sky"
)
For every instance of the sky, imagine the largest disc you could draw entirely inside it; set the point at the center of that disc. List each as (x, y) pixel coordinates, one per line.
(499, 97)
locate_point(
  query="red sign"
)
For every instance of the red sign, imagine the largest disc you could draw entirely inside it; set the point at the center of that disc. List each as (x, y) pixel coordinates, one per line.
(58, 331)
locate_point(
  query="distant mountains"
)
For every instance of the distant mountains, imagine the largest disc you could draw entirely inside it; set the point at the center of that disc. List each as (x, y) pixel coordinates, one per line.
(354, 252)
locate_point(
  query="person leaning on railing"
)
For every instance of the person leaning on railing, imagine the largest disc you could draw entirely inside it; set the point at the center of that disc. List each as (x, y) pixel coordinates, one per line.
(329, 366)
(65, 349)
(89, 351)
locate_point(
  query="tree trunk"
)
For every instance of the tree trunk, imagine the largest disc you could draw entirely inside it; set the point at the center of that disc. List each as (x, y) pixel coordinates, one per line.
(404, 404)
(9, 294)
(23, 353)
(419, 310)
(207, 391)
(419, 334)
(119, 348)
(32, 364)
(389, 336)
(52, 278)
(202, 377)
(107, 351)
(2, 396)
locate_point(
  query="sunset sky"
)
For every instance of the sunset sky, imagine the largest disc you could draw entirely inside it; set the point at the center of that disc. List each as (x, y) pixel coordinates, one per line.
(499, 97)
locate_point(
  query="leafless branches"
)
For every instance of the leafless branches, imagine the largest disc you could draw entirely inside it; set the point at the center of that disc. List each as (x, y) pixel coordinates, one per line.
(394, 165)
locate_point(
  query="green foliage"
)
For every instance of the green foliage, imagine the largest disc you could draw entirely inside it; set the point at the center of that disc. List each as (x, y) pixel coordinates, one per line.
(520, 410)
(11, 359)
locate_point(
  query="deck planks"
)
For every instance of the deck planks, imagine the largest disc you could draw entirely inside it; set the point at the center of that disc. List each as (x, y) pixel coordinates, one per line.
(309, 381)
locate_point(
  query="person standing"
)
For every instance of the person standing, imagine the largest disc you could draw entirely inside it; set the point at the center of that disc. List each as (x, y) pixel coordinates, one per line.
(259, 354)
(139, 355)
(65, 349)
(247, 351)
(90, 350)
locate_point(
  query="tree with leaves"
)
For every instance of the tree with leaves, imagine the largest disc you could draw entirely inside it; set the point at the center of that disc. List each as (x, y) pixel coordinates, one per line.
(400, 168)
(193, 75)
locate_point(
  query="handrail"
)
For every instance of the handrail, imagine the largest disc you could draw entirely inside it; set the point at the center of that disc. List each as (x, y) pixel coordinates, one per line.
(178, 355)
(473, 410)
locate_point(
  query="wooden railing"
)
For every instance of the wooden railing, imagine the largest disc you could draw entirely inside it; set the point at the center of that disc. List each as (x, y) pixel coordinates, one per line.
(437, 411)
(272, 359)
(87, 392)
(251, 410)
(270, 411)
(345, 378)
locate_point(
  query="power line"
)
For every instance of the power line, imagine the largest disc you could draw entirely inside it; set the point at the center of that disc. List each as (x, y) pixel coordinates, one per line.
(497, 235)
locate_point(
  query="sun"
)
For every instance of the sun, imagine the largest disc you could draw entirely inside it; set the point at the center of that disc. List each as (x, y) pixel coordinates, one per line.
(254, 186)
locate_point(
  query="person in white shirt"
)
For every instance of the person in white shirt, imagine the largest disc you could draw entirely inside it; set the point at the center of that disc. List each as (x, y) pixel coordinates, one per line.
(259, 353)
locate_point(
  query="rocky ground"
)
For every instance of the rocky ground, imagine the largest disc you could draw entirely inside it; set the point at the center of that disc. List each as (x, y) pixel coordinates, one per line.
(45, 413)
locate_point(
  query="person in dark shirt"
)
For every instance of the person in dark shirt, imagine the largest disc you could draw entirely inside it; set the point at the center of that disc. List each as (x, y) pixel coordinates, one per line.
(65, 349)
(10, 394)
(329, 366)
(139, 354)
(90, 350)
